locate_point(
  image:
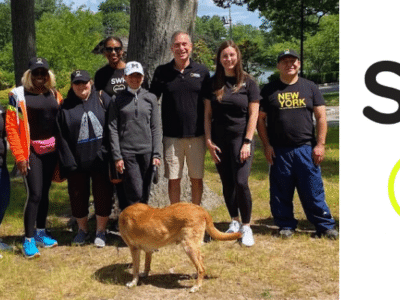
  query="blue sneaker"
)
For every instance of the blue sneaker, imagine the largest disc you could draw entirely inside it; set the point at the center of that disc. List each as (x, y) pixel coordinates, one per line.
(81, 238)
(29, 248)
(44, 240)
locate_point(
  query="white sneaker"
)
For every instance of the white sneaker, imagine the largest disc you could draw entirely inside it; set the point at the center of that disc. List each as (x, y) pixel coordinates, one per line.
(247, 236)
(233, 227)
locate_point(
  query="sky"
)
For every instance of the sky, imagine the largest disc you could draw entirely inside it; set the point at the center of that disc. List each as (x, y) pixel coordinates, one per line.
(239, 14)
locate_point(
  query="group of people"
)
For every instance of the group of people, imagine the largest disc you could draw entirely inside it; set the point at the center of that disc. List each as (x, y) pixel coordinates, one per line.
(115, 120)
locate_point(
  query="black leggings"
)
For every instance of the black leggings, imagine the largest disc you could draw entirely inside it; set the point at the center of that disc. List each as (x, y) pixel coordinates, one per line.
(37, 184)
(137, 176)
(234, 177)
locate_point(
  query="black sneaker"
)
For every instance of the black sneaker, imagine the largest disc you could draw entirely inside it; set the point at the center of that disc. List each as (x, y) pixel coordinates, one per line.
(332, 234)
(286, 233)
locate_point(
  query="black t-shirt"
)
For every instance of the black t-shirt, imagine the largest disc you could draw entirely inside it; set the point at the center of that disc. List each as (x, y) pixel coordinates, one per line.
(42, 111)
(230, 116)
(3, 145)
(182, 107)
(110, 80)
(289, 110)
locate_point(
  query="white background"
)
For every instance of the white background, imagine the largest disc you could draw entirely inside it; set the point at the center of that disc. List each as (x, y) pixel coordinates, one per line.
(369, 226)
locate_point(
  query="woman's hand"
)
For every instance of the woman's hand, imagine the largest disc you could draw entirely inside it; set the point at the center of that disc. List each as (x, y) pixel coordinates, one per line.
(245, 152)
(23, 167)
(214, 150)
(119, 166)
(156, 162)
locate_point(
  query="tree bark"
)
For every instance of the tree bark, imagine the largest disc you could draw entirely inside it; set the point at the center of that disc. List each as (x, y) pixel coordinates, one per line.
(152, 24)
(23, 32)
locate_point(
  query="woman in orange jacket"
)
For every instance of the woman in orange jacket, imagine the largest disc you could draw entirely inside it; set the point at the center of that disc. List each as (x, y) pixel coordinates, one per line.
(31, 129)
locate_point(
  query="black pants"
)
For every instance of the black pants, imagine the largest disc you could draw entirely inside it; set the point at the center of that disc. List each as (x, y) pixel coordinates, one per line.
(234, 176)
(137, 176)
(79, 192)
(38, 183)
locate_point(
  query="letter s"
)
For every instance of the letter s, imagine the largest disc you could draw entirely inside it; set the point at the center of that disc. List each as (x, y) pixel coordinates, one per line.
(374, 87)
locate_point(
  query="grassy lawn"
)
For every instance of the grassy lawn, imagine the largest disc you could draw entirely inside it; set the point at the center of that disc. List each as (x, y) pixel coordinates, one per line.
(299, 268)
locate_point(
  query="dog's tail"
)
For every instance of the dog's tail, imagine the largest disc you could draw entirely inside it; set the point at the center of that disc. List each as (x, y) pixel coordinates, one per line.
(218, 235)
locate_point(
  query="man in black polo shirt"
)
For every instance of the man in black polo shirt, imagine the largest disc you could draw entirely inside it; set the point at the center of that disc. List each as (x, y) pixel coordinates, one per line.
(291, 148)
(181, 83)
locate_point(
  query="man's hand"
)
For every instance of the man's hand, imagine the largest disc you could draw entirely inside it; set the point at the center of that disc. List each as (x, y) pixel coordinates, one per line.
(269, 154)
(318, 154)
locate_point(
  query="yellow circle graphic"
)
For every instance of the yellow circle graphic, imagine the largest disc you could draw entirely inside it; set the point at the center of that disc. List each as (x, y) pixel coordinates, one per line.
(392, 178)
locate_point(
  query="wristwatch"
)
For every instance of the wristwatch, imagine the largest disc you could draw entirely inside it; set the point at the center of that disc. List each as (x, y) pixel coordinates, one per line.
(247, 141)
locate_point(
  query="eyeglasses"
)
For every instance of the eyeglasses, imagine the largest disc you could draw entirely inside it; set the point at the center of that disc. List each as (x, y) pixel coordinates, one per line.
(40, 72)
(111, 49)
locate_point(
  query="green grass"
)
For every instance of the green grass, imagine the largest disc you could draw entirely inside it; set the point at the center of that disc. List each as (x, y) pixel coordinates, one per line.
(272, 269)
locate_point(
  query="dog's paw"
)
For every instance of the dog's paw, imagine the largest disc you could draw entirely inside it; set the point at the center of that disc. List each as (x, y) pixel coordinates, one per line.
(194, 289)
(132, 283)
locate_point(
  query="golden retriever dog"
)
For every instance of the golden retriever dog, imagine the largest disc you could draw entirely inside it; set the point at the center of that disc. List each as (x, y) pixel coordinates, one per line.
(146, 228)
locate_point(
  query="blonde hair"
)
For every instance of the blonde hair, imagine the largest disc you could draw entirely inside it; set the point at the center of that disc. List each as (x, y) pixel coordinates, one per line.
(26, 80)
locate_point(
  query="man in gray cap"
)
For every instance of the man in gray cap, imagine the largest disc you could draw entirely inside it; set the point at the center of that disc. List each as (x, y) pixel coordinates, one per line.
(292, 149)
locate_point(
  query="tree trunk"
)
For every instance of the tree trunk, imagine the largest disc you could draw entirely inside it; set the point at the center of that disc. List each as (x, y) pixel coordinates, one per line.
(152, 24)
(23, 32)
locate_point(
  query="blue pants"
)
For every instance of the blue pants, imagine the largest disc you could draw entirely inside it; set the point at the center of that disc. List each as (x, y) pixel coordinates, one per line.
(294, 168)
(4, 191)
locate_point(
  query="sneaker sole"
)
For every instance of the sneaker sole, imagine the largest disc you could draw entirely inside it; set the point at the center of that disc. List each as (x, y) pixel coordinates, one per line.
(31, 256)
(46, 246)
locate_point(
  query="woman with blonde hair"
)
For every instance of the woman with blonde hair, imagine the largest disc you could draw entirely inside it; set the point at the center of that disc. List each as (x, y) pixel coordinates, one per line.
(31, 130)
(230, 119)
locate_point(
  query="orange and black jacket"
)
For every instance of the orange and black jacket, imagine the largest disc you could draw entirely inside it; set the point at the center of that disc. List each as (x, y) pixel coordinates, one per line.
(17, 126)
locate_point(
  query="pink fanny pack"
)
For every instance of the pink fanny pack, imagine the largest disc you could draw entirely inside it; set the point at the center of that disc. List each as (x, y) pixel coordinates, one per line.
(44, 146)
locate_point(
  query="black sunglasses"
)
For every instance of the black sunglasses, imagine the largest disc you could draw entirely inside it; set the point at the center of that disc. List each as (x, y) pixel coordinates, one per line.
(111, 49)
(40, 72)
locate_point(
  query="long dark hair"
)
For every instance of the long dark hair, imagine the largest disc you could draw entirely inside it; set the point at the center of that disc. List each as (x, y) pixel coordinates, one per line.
(218, 84)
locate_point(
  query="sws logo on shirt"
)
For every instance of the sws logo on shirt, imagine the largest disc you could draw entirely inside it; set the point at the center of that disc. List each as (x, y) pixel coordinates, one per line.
(84, 129)
(290, 100)
(196, 75)
(119, 87)
(117, 80)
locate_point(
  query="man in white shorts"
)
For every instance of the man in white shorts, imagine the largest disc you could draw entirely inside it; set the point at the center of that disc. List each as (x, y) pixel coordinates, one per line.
(182, 83)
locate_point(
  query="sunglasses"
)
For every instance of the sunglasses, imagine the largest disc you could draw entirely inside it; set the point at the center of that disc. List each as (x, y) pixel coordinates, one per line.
(40, 72)
(111, 49)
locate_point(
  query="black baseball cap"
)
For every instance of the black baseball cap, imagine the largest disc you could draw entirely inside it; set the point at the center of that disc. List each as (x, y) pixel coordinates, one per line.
(38, 62)
(288, 52)
(80, 75)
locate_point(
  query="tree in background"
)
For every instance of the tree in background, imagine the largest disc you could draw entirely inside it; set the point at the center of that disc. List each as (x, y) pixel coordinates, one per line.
(152, 24)
(116, 17)
(283, 16)
(50, 6)
(23, 35)
(322, 49)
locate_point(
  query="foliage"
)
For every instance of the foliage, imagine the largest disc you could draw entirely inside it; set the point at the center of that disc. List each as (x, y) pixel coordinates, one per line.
(5, 23)
(211, 30)
(322, 49)
(54, 7)
(116, 17)
(283, 16)
(210, 33)
(66, 52)
(203, 54)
